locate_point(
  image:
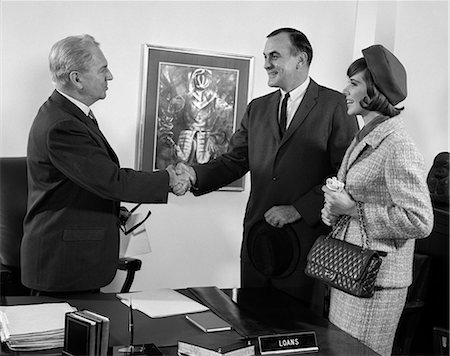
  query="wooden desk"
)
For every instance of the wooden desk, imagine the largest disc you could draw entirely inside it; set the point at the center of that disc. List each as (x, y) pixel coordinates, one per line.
(272, 310)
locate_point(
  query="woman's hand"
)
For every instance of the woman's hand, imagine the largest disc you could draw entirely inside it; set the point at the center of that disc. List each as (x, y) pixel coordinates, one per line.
(337, 204)
(328, 218)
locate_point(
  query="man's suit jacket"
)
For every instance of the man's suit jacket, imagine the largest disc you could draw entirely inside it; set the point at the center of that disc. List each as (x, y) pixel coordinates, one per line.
(285, 171)
(75, 185)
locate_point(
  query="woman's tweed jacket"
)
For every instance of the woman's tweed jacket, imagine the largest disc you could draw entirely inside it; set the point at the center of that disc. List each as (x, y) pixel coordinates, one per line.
(386, 172)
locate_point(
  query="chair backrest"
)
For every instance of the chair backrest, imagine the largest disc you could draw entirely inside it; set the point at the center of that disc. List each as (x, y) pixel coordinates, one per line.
(418, 289)
(437, 180)
(13, 206)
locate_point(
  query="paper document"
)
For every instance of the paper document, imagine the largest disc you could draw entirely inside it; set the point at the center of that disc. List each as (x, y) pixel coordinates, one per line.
(137, 242)
(33, 326)
(162, 302)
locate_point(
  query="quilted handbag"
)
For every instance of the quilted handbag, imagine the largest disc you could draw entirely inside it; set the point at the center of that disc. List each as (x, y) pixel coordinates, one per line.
(342, 265)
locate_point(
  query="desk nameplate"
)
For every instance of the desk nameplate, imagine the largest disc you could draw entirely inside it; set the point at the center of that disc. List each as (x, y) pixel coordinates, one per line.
(288, 343)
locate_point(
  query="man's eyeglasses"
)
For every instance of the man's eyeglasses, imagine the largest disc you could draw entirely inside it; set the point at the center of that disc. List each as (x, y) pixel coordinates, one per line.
(125, 215)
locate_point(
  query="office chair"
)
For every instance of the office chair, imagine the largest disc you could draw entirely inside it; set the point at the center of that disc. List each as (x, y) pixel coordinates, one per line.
(435, 315)
(409, 323)
(440, 341)
(13, 205)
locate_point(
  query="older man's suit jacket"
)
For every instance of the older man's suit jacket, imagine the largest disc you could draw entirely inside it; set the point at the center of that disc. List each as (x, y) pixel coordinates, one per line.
(75, 184)
(285, 171)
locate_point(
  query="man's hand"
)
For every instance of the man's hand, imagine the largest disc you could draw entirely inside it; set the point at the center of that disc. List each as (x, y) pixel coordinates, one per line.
(183, 168)
(179, 182)
(278, 216)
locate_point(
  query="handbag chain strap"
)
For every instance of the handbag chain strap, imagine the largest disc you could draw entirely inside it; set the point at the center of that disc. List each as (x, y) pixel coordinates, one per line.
(362, 224)
(339, 226)
(345, 219)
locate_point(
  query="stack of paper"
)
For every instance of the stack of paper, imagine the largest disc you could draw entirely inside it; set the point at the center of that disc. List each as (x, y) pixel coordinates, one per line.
(33, 327)
(157, 303)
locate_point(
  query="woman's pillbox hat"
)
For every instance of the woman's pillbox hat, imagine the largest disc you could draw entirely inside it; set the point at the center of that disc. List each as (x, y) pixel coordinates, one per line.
(388, 73)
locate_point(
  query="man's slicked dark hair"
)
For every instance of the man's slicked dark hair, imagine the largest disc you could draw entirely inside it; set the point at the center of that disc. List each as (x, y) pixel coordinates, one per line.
(298, 40)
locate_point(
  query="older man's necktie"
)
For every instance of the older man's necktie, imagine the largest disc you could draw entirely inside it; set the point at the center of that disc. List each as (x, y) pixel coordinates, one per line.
(92, 117)
(283, 114)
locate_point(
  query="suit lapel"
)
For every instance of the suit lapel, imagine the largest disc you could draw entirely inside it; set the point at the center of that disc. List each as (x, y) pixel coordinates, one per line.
(308, 102)
(96, 129)
(373, 139)
(272, 112)
(74, 110)
(355, 150)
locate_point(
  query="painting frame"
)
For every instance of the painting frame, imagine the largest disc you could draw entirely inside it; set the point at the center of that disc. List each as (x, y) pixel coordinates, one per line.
(191, 103)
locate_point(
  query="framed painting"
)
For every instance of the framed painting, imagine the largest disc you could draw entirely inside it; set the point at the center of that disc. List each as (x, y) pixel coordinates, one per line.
(191, 104)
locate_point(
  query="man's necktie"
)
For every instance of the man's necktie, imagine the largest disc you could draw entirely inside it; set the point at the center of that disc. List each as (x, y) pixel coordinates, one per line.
(283, 114)
(92, 117)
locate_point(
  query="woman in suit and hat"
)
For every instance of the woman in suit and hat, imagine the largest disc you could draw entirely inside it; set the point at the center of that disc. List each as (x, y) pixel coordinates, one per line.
(385, 180)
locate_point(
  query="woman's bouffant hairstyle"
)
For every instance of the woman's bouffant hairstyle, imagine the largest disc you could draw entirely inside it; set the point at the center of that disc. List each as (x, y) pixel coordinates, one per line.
(375, 101)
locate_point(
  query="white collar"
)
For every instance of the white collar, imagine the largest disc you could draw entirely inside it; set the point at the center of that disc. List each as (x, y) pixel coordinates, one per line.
(297, 92)
(83, 107)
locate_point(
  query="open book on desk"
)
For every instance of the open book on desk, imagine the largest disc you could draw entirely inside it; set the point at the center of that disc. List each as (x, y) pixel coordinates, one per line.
(33, 327)
(157, 303)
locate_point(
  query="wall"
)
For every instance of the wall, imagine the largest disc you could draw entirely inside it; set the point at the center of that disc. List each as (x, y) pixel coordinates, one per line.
(196, 241)
(421, 40)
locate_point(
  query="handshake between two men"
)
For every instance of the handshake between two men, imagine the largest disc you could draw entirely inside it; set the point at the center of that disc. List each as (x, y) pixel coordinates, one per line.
(182, 178)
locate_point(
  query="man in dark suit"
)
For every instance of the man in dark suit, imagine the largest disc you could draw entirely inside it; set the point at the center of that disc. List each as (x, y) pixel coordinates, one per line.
(75, 183)
(287, 165)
